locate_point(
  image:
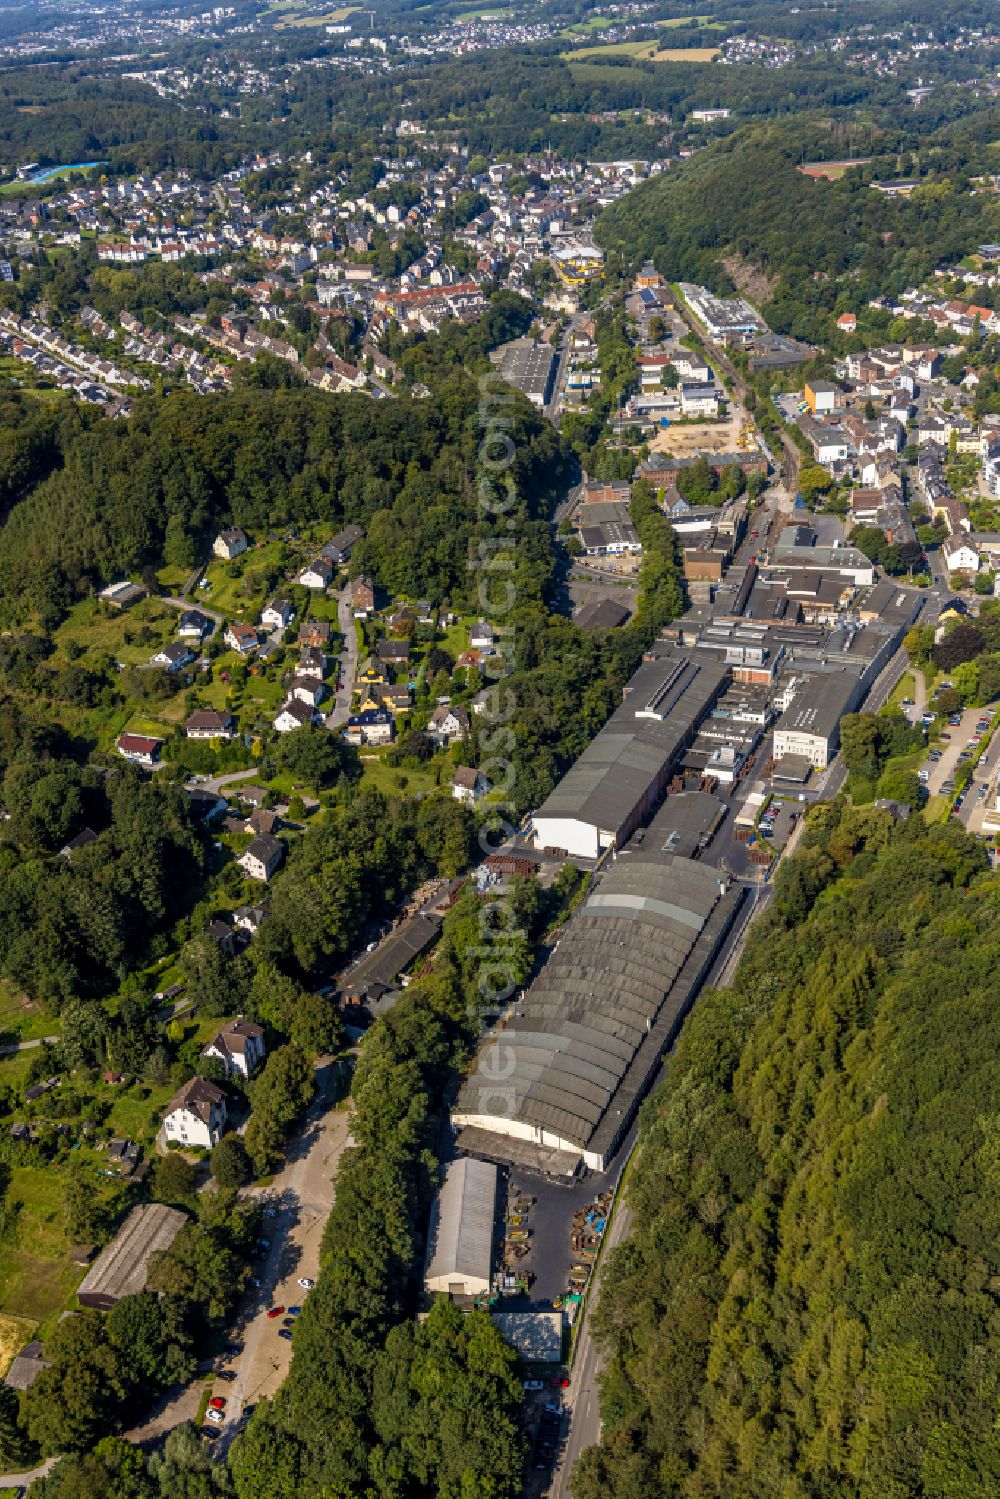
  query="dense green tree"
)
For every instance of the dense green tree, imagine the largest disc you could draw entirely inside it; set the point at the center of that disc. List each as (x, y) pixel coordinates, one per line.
(230, 1162)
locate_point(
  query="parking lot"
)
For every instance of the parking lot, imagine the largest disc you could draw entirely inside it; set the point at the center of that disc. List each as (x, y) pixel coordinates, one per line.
(957, 746)
(980, 793)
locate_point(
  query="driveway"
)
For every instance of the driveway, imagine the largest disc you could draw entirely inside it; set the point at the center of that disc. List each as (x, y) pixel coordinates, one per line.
(217, 783)
(341, 710)
(192, 604)
(302, 1193)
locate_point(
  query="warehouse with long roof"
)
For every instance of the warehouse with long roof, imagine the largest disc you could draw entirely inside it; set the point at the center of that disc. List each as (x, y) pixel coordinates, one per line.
(559, 1081)
(622, 773)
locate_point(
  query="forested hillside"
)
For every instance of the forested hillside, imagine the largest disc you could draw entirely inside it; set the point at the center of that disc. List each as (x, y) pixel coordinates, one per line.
(808, 1304)
(161, 483)
(825, 246)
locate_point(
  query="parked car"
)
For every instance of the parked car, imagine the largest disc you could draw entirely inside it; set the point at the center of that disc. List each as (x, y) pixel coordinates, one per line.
(276, 1311)
(533, 1384)
(306, 1283)
(559, 1382)
(227, 1374)
(217, 1403)
(284, 1333)
(215, 1416)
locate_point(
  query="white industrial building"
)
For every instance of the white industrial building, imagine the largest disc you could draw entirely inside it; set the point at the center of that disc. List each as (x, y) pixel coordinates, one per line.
(809, 728)
(622, 773)
(460, 1240)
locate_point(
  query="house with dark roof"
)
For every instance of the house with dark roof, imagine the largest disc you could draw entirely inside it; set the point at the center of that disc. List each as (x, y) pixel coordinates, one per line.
(239, 1046)
(263, 857)
(26, 1366)
(210, 723)
(196, 1115)
(229, 544)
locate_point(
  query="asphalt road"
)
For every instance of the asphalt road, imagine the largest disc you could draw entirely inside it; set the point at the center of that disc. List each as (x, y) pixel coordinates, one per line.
(341, 710)
(582, 1397)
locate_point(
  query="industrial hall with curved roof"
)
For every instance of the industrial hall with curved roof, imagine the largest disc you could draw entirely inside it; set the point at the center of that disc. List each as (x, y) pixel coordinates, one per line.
(560, 1079)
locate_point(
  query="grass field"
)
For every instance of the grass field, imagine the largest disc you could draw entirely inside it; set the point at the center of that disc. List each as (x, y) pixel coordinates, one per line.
(87, 627)
(394, 782)
(611, 49)
(328, 18)
(14, 1333)
(228, 595)
(20, 1019)
(832, 171)
(592, 23)
(36, 1274)
(686, 54)
(29, 189)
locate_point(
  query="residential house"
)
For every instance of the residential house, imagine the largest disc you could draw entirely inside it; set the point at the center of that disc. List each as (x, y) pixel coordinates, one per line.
(959, 556)
(312, 663)
(242, 638)
(194, 625)
(263, 857)
(174, 656)
(139, 749)
(482, 638)
(229, 544)
(362, 597)
(384, 695)
(393, 652)
(276, 614)
(223, 935)
(469, 785)
(371, 726)
(338, 549)
(196, 1115)
(294, 715)
(447, 724)
(263, 820)
(239, 1046)
(209, 723)
(314, 632)
(251, 918)
(316, 574)
(205, 806)
(306, 690)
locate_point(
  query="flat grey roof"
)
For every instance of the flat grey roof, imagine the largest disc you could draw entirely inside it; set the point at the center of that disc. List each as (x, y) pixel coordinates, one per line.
(665, 700)
(818, 704)
(568, 1042)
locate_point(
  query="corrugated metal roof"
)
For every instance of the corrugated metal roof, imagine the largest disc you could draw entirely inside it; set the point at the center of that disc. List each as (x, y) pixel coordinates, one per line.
(462, 1231)
(573, 1035)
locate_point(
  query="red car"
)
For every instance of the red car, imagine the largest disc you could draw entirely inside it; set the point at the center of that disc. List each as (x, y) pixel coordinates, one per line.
(217, 1403)
(560, 1382)
(276, 1311)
